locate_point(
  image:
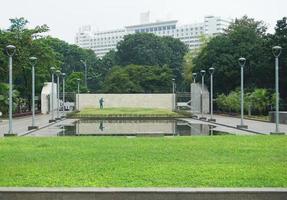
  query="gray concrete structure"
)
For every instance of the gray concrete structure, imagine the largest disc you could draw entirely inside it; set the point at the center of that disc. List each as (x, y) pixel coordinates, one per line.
(143, 193)
(195, 90)
(254, 126)
(163, 101)
(282, 117)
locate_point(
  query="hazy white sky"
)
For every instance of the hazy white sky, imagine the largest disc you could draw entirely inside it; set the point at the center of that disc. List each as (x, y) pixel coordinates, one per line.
(64, 17)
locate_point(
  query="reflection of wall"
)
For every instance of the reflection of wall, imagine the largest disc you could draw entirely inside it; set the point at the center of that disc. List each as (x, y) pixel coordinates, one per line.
(164, 101)
(130, 127)
(196, 98)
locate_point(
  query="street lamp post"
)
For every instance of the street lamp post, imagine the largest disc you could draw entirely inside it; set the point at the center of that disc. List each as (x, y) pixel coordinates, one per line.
(33, 63)
(52, 96)
(202, 72)
(86, 72)
(242, 62)
(174, 95)
(211, 71)
(58, 73)
(276, 52)
(10, 50)
(63, 107)
(78, 80)
(194, 76)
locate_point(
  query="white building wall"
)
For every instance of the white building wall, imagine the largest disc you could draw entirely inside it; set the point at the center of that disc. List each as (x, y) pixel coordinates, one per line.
(102, 42)
(163, 101)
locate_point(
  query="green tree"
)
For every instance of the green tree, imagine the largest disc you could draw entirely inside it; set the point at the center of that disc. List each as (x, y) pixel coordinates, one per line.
(245, 37)
(151, 50)
(153, 79)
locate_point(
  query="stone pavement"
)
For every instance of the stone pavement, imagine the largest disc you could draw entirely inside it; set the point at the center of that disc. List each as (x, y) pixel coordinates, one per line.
(253, 126)
(20, 125)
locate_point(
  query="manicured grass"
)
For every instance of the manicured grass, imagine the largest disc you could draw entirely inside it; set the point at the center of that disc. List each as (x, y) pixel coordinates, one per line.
(126, 112)
(223, 161)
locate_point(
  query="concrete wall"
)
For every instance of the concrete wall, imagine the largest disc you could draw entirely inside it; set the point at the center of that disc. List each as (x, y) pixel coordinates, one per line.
(195, 90)
(143, 194)
(164, 101)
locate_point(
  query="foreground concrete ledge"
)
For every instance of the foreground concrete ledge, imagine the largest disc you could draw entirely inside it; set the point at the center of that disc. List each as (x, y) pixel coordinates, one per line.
(87, 193)
(151, 189)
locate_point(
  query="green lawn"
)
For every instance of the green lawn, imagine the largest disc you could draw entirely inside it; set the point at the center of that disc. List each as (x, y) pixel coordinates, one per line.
(221, 161)
(126, 112)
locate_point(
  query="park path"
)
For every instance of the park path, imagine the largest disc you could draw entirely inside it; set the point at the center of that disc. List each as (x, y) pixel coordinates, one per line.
(253, 125)
(20, 125)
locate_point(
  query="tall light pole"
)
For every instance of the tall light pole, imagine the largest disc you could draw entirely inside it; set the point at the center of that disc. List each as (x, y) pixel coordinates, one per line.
(10, 50)
(211, 71)
(52, 96)
(78, 80)
(33, 63)
(202, 72)
(242, 62)
(58, 74)
(86, 72)
(173, 92)
(276, 52)
(194, 76)
(63, 77)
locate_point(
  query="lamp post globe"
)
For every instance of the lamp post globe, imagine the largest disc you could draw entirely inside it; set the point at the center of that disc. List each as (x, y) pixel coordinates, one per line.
(276, 50)
(10, 50)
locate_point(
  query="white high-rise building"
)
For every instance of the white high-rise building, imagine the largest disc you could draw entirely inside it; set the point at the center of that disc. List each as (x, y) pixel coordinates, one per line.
(102, 42)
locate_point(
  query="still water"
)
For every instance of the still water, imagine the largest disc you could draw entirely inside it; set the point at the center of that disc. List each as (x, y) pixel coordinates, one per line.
(137, 128)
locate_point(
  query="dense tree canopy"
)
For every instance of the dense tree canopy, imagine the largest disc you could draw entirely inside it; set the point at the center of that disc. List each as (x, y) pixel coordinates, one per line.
(244, 38)
(139, 79)
(149, 49)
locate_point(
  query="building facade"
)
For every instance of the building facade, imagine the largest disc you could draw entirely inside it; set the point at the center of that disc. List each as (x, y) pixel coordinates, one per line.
(102, 42)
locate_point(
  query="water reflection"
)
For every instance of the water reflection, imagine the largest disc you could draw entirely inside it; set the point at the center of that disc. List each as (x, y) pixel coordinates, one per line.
(137, 128)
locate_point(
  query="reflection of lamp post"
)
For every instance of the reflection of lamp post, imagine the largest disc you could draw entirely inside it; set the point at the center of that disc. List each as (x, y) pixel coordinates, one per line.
(242, 62)
(86, 72)
(52, 96)
(63, 107)
(202, 72)
(33, 63)
(211, 71)
(10, 50)
(58, 73)
(276, 52)
(78, 80)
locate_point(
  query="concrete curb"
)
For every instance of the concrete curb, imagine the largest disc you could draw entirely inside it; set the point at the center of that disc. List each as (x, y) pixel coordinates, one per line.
(12, 193)
(42, 127)
(234, 127)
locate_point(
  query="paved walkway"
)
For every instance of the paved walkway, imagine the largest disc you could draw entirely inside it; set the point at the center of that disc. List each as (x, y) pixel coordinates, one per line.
(223, 123)
(253, 126)
(20, 124)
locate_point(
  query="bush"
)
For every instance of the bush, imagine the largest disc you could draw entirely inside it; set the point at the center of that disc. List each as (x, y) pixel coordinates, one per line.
(259, 100)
